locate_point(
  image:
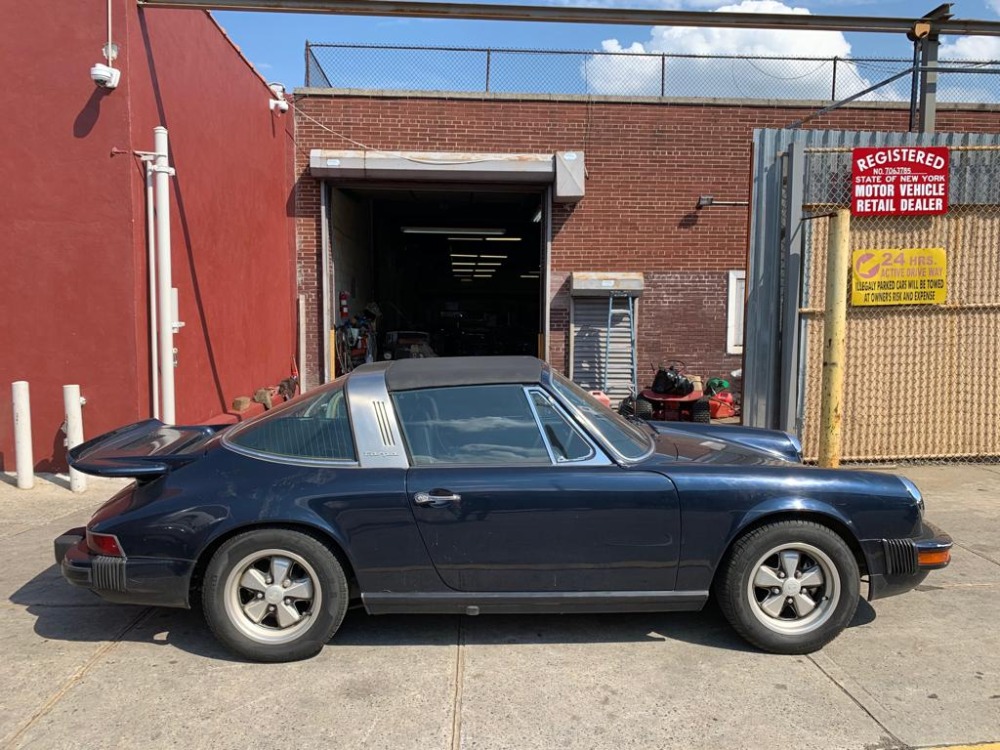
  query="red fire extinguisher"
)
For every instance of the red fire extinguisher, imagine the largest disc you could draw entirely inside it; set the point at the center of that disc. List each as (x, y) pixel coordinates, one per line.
(344, 311)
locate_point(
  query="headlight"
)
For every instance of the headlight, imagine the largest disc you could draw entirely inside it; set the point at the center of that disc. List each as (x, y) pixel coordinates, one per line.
(912, 490)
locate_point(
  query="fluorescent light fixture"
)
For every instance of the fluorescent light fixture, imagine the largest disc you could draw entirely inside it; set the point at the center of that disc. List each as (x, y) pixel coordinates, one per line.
(503, 239)
(463, 263)
(454, 230)
(538, 216)
(459, 255)
(465, 239)
(488, 263)
(529, 276)
(482, 276)
(493, 257)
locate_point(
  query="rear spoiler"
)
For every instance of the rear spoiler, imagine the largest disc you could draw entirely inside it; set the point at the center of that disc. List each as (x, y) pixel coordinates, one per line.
(143, 450)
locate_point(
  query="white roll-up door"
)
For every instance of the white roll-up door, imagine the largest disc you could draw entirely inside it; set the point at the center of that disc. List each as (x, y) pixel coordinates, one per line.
(589, 329)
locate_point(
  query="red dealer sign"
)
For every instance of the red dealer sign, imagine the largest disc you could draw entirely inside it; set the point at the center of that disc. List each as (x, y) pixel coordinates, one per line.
(899, 181)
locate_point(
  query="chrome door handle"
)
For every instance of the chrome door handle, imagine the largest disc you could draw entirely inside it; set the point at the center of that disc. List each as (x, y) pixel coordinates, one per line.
(429, 500)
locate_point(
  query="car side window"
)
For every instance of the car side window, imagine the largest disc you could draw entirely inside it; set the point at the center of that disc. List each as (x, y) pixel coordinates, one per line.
(488, 424)
(313, 427)
(566, 441)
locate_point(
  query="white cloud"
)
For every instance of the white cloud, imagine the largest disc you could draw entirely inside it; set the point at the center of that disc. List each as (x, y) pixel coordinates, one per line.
(978, 48)
(632, 74)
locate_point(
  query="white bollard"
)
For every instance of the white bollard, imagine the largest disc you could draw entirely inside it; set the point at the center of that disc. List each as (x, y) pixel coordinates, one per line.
(24, 461)
(74, 432)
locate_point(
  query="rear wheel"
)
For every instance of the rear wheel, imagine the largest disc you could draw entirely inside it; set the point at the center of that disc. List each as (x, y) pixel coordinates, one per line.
(789, 587)
(274, 595)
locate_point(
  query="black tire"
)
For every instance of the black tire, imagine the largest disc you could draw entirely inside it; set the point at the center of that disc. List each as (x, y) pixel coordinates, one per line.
(701, 411)
(789, 633)
(224, 598)
(643, 408)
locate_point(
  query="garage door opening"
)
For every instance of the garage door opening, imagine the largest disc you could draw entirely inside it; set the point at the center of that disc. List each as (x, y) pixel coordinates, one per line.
(463, 267)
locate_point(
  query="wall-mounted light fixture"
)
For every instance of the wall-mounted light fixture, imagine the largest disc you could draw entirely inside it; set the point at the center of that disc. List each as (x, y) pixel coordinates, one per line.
(704, 201)
(454, 230)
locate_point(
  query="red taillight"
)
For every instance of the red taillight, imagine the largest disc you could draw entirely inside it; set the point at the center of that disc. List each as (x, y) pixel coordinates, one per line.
(104, 544)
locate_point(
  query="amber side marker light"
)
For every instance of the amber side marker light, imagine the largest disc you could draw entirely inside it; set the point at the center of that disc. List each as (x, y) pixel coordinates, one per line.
(929, 558)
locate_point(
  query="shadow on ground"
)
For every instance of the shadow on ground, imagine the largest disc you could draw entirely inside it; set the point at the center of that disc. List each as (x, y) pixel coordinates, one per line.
(58, 609)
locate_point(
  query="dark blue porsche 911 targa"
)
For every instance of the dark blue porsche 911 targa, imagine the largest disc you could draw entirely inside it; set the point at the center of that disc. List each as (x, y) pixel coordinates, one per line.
(481, 485)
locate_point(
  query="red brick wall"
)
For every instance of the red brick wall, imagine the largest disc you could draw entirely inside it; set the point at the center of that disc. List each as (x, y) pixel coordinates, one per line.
(646, 166)
(73, 292)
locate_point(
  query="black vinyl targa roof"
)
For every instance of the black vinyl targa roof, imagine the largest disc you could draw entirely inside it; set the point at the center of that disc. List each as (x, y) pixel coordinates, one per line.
(442, 372)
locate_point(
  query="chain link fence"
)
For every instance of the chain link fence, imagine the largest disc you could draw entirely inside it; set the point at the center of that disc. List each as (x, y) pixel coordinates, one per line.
(634, 74)
(920, 379)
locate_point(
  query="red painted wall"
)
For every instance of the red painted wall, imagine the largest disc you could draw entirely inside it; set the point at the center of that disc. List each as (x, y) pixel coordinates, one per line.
(73, 293)
(647, 163)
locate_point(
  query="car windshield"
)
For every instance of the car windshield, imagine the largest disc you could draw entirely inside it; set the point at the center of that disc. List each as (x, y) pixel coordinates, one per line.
(627, 439)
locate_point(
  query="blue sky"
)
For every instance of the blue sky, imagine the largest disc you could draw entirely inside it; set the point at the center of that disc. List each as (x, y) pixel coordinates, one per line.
(275, 42)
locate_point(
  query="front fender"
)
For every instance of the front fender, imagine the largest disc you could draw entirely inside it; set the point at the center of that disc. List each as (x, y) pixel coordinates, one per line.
(806, 509)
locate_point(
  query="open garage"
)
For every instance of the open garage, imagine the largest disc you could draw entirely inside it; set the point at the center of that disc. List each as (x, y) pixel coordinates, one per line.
(461, 266)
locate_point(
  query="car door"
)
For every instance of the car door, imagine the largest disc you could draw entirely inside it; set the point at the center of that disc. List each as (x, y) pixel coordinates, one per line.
(509, 495)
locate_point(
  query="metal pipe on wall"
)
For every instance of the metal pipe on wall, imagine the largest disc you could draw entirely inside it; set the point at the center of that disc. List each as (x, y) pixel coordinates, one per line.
(154, 354)
(73, 405)
(164, 272)
(302, 343)
(24, 462)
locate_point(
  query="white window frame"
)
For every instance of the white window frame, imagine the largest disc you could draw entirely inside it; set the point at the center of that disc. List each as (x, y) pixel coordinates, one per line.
(734, 331)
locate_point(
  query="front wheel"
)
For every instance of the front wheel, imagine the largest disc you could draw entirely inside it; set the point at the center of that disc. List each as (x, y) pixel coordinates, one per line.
(274, 595)
(789, 587)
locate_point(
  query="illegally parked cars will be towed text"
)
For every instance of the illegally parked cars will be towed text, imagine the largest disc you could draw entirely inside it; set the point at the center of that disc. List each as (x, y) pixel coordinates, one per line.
(486, 485)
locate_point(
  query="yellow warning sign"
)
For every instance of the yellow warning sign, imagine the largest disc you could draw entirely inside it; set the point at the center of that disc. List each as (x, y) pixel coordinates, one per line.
(898, 276)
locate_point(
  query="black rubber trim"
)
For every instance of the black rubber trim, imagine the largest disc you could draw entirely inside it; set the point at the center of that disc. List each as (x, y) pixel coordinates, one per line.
(381, 603)
(442, 372)
(65, 542)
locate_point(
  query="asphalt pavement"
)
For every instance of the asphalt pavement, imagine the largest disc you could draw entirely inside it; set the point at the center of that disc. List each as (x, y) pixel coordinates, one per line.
(919, 670)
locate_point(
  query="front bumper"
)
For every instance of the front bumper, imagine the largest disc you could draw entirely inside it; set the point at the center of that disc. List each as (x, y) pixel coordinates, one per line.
(134, 580)
(903, 563)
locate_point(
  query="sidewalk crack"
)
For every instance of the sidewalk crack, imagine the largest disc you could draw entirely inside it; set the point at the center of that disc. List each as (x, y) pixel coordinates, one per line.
(896, 742)
(76, 677)
(456, 706)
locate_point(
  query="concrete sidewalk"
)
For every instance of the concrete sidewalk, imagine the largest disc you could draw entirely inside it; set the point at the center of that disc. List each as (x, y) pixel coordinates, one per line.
(915, 671)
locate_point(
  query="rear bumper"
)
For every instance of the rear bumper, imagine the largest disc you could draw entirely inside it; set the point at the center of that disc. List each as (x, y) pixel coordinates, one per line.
(902, 564)
(135, 580)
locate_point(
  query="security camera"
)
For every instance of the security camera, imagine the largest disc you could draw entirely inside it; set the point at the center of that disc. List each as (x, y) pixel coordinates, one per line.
(279, 104)
(105, 76)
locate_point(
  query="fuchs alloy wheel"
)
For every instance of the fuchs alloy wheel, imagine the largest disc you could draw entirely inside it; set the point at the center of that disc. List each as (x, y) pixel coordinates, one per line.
(274, 595)
(789, 587)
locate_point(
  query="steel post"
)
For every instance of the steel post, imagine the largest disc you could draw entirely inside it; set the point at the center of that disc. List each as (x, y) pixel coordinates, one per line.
(928, 84)
(73, 405)
(838, 249)
(24, 461)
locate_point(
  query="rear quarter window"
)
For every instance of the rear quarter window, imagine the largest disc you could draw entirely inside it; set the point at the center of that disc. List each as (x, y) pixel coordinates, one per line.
(316, 426)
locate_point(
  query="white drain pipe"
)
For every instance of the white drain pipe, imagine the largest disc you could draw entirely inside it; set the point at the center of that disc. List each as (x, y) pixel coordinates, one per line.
(164, 281)
(154, 353)
(73, 404)
(302, 343)
(24, 462)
